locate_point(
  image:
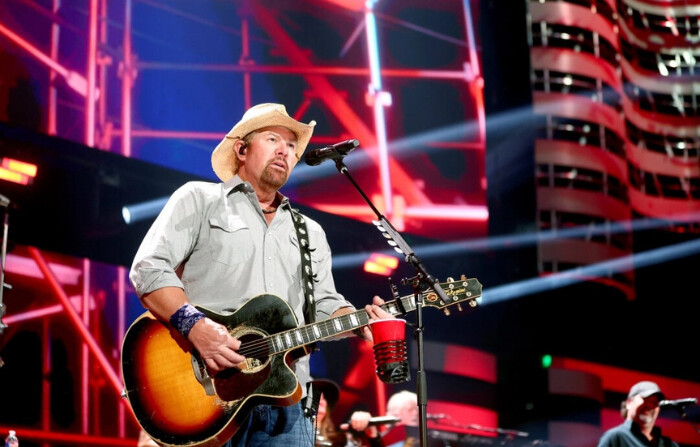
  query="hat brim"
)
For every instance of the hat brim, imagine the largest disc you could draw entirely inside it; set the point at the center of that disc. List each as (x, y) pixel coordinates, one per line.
(650, 393)
(222, 158)
(329, 389)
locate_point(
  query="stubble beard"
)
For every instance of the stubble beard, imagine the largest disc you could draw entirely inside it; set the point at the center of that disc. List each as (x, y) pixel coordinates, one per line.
(273, 178)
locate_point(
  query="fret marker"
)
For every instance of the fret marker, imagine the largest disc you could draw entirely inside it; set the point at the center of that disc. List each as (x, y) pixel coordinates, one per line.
(317, 333)
(338, 326)
(288, 339)
(299, 339)
(353, 320)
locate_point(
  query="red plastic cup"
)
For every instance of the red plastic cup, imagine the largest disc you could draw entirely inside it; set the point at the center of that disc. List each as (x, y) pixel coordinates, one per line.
(390, 353)
(390, 329)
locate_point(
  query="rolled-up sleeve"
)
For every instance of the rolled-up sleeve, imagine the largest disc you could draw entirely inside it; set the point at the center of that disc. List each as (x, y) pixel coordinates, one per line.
(167, 244)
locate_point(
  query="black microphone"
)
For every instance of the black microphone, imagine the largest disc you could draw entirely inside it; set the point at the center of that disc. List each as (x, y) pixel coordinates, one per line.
(383, 420)
(332, 152)
(678, 402)
(374, 421)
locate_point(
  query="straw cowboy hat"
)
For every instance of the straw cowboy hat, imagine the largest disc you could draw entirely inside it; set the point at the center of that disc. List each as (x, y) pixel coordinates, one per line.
(223, 159)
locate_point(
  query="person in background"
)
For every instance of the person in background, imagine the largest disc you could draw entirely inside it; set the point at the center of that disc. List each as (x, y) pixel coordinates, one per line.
(402, 405)
(639, 411)
(218, 245)
(327, 434)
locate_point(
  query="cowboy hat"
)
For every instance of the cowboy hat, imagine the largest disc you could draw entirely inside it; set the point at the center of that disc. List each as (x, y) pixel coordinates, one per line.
(329, 389)
(262, 115)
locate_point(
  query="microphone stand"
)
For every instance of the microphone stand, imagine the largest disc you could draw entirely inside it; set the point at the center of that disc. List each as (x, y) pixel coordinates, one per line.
(4, 203)
(400, 245)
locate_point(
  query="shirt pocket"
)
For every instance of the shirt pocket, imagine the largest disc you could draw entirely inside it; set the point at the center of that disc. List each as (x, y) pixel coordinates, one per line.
(230, 240)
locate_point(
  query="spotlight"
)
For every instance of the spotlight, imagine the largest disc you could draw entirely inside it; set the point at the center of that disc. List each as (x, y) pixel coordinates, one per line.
(144, 210)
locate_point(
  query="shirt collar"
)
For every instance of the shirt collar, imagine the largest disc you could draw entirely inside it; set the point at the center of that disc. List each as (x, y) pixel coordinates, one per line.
(634, 427)
(237, 184)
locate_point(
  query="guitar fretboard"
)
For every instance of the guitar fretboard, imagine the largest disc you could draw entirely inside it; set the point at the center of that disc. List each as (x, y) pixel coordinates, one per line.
(311, 333)
(455, 291)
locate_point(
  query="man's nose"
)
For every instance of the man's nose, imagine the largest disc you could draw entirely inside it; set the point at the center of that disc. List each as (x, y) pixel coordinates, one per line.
(283, 148)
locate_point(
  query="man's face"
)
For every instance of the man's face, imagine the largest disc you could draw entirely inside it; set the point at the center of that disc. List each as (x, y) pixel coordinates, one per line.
(322, 408)
(643, 411)
(270, 157)
(409, 414)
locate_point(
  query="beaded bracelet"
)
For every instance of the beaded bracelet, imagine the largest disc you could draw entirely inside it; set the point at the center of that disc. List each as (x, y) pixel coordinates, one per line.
(184, 318)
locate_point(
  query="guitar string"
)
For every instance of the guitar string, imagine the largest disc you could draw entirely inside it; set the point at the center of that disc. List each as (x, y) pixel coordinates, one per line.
(261, 346)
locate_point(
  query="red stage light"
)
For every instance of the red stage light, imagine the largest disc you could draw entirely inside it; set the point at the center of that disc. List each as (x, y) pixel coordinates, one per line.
(381, 264)
(17, 171)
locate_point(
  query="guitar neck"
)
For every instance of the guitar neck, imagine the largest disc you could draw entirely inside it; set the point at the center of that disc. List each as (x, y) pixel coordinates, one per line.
(312, 333)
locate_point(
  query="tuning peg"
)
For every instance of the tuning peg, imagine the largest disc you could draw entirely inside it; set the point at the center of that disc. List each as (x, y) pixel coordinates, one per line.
(473, 303)
(394, 289)
(463, 278)
(459, 307)
(447, 311)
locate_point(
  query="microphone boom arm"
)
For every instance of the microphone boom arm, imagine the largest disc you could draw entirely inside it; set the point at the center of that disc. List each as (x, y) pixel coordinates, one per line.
(392, 235)
(399, 244)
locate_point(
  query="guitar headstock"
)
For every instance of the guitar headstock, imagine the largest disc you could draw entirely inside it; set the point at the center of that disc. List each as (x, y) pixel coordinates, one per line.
(457, 291)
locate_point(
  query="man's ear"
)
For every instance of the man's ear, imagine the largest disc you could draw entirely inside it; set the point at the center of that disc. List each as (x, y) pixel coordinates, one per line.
(240, 149)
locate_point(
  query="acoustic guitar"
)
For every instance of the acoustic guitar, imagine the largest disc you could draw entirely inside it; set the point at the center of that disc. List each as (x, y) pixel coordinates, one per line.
(177, 402)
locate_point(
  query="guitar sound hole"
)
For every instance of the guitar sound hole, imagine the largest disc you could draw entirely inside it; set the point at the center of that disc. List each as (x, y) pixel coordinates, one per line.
(255, 350)
(233, 384)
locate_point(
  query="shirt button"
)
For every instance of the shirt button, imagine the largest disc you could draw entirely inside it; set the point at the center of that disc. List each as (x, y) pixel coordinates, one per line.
(269, 258)
(270, 284)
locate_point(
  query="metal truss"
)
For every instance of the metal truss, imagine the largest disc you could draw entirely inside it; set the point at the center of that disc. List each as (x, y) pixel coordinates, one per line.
(89, 76)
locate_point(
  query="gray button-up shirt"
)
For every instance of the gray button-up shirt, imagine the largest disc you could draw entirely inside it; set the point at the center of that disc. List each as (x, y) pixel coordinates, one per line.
(212, 240)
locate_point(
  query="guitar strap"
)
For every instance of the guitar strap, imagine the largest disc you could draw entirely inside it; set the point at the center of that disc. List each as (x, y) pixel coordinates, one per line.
(307, 274)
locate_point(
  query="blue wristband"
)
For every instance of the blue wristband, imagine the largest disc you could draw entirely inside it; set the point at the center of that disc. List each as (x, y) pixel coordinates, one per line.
(184, 318)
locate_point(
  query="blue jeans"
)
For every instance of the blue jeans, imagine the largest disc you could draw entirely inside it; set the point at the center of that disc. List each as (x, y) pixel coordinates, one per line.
(275, 426)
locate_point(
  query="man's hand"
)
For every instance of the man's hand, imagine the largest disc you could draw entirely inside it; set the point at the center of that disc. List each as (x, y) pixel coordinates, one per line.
(359, 421)
(215, 345)
(375, 313)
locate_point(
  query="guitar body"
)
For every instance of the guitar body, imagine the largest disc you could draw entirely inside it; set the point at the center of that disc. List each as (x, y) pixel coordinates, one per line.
(177, 403)
(176, 406)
